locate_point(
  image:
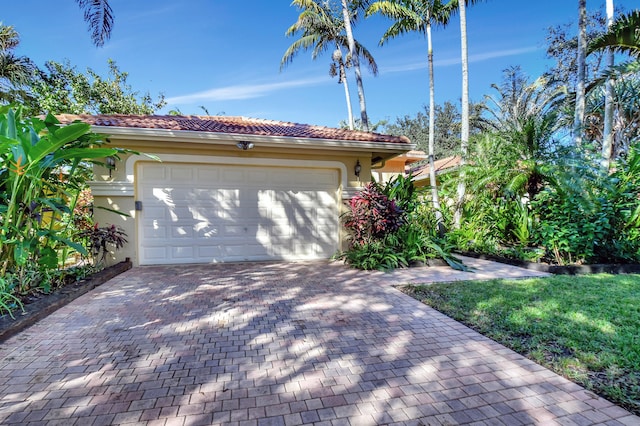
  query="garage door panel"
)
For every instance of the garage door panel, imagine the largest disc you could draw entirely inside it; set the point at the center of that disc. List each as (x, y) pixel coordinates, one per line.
(209, 252)
(206, 213)
(182, 232)
(155, 254)
(182, 252)
(155, 232)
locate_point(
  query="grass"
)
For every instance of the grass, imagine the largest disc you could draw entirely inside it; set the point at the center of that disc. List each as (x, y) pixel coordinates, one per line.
(586, 328)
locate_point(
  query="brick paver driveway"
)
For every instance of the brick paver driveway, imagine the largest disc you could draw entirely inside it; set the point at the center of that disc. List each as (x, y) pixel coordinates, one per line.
(273, 344)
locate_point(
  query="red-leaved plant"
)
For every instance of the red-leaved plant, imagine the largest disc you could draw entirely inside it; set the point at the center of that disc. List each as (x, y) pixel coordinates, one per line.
(372, 215)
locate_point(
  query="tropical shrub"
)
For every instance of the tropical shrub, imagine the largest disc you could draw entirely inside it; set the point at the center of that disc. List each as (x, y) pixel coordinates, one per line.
(587, 216)
(372, 215)
(43, 170)
(391, 228)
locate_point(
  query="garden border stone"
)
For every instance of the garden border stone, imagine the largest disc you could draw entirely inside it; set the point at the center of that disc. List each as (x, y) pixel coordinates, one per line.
(39, 309)
(597, 268)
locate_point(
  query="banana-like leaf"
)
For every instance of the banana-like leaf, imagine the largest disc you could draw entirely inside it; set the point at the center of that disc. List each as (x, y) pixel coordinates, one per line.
(57, 140)
(83, 153)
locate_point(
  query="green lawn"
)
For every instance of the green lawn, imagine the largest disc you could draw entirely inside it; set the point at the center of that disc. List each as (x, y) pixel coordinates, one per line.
(586, 328)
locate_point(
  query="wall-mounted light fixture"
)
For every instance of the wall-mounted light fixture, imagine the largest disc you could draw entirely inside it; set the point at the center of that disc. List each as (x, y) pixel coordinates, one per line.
(244, 145)
(357, 169)
(110, 163)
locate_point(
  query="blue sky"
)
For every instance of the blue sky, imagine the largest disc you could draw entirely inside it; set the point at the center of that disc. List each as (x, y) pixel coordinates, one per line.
(225, 54)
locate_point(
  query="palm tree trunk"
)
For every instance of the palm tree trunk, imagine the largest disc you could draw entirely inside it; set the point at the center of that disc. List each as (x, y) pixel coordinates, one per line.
(607, 136)
(578, 122)
(464, 136)
(432, 138)
(356, 65)
(343, 80)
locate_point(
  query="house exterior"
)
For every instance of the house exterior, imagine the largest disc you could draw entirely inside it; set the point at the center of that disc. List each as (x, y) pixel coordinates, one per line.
(422, 174)
(398, 165)
(228, 189)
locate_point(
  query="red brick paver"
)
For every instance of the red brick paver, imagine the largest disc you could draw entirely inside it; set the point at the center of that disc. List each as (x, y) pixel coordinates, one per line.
(276, 344)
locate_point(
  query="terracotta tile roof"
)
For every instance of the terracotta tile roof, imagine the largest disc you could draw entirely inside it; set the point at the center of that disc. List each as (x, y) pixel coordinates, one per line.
(234, 125)
(422, 172)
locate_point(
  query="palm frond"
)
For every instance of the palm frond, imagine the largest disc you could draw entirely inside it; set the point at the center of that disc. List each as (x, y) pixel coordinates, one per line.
(622, 37)
(99, 15)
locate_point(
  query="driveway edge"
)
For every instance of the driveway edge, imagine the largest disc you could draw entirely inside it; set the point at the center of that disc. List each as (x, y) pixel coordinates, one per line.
(34, 312)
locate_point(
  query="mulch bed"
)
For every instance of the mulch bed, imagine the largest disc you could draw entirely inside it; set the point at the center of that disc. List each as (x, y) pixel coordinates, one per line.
(43, 306)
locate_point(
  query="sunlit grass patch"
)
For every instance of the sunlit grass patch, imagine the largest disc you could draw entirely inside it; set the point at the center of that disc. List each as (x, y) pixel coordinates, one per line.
(586, 328)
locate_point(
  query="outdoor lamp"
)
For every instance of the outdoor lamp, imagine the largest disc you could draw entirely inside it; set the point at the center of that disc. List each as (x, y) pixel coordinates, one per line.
(110, 162)
(357, 169)
(244, 145)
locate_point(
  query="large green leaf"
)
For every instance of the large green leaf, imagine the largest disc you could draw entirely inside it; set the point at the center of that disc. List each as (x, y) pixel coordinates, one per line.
(76, 246)
(11, 124)
(69, 133)
(48, 258)
(21, 252)
(83, 153)
(54, 141)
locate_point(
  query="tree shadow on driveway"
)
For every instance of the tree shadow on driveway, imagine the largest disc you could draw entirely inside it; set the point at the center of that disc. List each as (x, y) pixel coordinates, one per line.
(265, 343)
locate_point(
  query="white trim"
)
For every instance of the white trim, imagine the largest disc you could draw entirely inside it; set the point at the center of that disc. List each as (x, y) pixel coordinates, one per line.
(112, 189)
(264, 141)
(240, 161)
(349, 193)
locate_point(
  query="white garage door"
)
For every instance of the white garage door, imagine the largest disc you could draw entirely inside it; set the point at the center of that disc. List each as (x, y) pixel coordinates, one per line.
(219, 213)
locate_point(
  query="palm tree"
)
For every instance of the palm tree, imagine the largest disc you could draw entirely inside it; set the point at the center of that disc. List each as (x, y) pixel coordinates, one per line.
(524, 119)
(420, 16)
(346, 16)
(578, 122)
(464, 133)
(623, 37)
(16, 72)
(607, 140)
(99, 15)
(320, 29)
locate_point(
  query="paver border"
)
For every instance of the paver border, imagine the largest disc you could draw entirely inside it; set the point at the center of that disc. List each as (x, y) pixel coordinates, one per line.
(34, 312)
(596, 268)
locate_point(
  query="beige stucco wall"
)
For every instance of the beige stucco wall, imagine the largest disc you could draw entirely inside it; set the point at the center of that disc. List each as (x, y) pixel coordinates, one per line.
(116, 191)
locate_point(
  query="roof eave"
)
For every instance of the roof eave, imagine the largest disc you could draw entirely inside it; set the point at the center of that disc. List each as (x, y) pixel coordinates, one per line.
(264, 140)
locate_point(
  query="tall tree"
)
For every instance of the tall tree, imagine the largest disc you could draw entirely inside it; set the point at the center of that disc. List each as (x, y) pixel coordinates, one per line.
(623, 38)
(578, 122)
(607, 140)
(16, 72)
(62, 89)
(99, 15)
(346, 15)
(464, 131)
(419, 16)
(320, 29)
(524, 120)
(447, 127)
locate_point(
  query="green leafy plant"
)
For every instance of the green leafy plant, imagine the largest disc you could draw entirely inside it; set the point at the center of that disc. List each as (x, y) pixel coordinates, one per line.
(374, 255)
(40, 160)
(8, 301)
(390, 228)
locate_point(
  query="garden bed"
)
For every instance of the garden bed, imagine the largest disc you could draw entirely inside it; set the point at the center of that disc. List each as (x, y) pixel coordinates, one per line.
(609, 268)
(48, 303)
